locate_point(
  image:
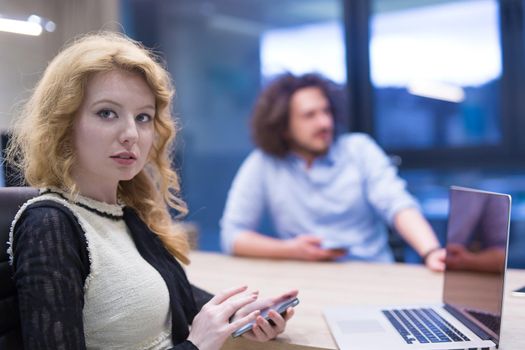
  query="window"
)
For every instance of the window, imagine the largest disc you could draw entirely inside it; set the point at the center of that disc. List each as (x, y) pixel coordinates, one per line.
(435, 70)
(290, 49)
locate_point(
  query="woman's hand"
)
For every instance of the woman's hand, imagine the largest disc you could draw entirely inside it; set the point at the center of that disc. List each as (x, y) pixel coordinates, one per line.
(262, 329)
(211, 326)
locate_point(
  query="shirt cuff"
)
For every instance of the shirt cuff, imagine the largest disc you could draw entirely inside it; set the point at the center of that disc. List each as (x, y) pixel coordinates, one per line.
(185, 345)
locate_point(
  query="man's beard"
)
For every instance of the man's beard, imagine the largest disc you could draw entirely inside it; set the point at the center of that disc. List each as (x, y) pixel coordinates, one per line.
(314, 152)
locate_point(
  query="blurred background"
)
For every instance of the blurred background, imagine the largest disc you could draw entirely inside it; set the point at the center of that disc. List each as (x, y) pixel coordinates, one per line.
(440, 84)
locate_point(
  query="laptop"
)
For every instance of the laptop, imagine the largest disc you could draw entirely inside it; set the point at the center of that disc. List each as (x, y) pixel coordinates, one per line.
(469, 315)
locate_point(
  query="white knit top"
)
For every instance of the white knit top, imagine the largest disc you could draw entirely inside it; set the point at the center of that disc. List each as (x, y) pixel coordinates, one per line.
(126, 301)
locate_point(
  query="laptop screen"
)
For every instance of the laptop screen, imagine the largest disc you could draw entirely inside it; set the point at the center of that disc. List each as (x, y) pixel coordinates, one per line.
(477, 237)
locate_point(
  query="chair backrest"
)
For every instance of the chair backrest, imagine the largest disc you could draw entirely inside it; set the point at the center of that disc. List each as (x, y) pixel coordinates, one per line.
(11, 198)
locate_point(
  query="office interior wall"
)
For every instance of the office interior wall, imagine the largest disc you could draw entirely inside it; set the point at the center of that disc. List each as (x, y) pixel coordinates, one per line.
(216, 86)
(24, 58)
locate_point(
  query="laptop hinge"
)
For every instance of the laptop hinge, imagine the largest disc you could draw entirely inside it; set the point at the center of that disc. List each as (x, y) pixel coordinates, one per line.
(469, 323)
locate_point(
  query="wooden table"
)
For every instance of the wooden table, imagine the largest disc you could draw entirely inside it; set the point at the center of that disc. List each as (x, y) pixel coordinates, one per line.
(332, 284)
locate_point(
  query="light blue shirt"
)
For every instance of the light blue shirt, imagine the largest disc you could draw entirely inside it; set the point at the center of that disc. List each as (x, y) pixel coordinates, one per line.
(345, 197)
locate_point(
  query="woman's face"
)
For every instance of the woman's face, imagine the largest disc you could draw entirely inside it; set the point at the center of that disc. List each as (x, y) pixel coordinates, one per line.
(113, 129)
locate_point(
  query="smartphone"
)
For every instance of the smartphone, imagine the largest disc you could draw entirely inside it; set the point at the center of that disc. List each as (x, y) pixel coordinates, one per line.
(519, 292)
(334, 246)
(280, 307)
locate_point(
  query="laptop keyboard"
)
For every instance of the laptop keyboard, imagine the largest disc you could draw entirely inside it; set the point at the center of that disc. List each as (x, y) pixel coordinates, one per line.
(422, 326)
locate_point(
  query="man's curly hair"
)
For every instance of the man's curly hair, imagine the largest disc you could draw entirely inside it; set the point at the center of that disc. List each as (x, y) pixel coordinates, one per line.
(271, 114)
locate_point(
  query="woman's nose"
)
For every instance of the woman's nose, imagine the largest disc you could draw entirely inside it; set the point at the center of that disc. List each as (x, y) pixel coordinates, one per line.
(129, 133)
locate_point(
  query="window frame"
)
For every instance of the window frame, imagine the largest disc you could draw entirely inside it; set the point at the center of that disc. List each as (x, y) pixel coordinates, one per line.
(508, 153)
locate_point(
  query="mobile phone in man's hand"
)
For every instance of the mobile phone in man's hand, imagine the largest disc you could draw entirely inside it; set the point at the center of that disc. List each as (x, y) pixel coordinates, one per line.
(520, 292)
(335, 246)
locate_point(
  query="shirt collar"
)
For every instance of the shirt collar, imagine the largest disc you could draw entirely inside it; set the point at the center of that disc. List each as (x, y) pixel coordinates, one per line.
(327, 159)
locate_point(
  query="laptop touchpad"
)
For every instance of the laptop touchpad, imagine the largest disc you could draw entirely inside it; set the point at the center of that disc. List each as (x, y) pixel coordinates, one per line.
(360, 326)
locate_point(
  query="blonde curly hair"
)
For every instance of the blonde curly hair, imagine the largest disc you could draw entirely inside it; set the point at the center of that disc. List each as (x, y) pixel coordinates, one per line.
(42, 136)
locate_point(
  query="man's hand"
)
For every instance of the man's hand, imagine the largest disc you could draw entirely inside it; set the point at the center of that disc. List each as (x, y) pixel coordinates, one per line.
(435, 261)
(308, 248)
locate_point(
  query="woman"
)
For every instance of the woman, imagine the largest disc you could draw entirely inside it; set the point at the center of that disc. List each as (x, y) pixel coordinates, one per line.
(95, 256)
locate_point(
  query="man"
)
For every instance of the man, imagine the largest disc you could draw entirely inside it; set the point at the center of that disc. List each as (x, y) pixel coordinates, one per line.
(328, 197)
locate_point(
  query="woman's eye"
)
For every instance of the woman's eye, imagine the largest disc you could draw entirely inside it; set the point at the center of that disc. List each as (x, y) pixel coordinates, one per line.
(309, 115)
(107, 114)
(144, 118)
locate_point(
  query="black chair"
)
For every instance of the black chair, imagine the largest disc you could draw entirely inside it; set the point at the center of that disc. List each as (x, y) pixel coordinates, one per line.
(11, 198)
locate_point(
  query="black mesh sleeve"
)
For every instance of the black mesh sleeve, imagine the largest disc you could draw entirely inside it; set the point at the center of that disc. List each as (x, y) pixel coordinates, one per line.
(185, 345)
(50, 268)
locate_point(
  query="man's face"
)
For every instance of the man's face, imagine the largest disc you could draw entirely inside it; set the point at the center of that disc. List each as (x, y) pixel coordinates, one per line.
(311, 124)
